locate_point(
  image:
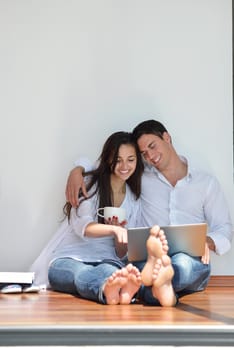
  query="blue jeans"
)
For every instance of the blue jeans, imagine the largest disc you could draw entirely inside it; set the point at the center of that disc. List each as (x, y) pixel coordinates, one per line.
(85, 279)
(190, 275)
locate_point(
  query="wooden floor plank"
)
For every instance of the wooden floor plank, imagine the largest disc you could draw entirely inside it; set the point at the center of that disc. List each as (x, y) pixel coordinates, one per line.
(47, 316)
(213, 306)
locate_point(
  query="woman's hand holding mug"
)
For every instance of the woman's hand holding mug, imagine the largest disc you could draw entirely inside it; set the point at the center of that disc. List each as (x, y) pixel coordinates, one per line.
(113, 215)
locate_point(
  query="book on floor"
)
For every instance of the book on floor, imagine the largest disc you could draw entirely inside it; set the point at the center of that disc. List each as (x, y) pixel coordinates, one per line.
(21, 278)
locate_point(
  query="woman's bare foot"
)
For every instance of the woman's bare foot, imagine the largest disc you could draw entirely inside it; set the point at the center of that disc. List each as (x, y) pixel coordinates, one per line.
(157, 246)
(162, 288)
(132, 285)
(122, 285)
(113, 285)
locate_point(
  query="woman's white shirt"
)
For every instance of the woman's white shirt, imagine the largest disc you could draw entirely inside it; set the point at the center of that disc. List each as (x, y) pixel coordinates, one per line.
(70, 240)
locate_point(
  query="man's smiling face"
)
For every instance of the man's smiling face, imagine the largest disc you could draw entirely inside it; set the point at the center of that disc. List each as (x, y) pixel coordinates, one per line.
(155, 150)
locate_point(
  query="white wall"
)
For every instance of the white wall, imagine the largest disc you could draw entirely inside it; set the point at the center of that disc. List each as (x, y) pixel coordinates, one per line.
(74, 71)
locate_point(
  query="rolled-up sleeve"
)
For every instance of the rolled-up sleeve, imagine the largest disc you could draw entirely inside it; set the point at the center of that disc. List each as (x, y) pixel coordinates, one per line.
(218, 217)
(83, 215)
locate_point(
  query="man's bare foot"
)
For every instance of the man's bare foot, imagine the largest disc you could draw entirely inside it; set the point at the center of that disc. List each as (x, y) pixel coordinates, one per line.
(122, 285)
(162, 288)
(156, 246)
(132, 285)
(113, 285)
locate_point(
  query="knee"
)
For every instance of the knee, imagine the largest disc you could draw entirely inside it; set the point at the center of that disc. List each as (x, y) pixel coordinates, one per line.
(187, 265)
(182, 263)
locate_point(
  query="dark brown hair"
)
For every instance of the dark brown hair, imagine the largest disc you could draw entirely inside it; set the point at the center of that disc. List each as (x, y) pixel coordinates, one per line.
(149, 127)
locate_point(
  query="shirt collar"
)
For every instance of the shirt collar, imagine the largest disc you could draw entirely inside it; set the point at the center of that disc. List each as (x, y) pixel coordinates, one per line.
(189, 175)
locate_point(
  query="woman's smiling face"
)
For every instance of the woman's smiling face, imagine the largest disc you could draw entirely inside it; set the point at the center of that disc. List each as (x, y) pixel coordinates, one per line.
(126, 162)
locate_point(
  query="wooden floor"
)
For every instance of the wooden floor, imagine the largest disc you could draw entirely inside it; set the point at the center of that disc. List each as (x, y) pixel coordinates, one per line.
(50, 318)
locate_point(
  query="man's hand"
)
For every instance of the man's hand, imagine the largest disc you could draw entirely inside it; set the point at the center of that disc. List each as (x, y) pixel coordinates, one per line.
(75, 183)
(211, 243)
(206, 256)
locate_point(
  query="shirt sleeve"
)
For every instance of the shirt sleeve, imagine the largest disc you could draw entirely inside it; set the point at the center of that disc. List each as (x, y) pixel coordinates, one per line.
(218, 217)
(83, 215)
(85, 163)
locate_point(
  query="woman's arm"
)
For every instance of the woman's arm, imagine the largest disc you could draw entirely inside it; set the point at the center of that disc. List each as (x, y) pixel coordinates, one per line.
(120, 235)
(95, 229)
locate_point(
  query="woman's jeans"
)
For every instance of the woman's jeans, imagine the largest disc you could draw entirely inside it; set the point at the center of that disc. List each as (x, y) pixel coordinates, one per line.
(85, 279)
(190, 275)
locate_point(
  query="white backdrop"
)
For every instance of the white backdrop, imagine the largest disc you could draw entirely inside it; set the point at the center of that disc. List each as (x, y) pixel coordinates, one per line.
(74, 71)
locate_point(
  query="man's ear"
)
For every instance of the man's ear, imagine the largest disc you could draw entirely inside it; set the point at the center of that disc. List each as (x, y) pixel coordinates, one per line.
(167, 137)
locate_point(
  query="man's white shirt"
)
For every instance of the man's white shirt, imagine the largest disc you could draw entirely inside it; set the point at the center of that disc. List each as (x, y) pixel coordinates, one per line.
(194, 199)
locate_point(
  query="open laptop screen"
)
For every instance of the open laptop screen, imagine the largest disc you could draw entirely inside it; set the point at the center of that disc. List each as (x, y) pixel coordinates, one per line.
(188, 238)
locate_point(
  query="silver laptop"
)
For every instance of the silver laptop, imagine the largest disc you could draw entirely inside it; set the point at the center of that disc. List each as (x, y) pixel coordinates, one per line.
(188, 238)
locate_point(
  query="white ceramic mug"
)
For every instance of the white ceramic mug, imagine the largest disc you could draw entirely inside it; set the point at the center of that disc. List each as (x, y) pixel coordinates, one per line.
(109, 212)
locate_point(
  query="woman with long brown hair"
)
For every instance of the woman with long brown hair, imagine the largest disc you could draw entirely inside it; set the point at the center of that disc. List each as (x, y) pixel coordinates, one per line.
(87, 256)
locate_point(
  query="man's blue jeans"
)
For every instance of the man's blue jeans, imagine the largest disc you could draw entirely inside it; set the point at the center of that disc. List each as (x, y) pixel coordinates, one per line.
(190, 275)
(75, 277)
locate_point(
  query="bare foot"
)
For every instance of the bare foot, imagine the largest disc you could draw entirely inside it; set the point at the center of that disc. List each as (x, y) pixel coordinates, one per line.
(157, 246)
(162, 288)
(122, 285)
(113, 285)
(132, 285)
